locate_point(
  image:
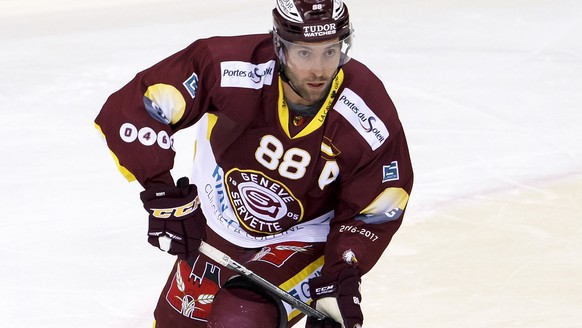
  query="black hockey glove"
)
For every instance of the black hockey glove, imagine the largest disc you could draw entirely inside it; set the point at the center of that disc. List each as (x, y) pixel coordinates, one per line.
(338, 297)
(176, 224)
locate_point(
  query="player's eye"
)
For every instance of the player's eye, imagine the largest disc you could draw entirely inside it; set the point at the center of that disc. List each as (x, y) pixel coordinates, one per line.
(330, 52)
(304, 53)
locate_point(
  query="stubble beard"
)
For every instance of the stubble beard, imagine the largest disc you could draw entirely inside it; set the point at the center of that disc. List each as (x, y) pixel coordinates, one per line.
(308, 95)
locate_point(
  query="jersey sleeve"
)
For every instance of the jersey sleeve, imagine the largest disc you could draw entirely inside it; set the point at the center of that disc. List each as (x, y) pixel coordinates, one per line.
(139, 120)
(372, 200)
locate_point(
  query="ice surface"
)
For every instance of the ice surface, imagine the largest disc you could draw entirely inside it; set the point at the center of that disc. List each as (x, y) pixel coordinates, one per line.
(488, 91)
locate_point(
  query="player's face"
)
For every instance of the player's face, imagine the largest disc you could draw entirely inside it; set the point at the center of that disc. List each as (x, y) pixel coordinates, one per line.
(311, 67)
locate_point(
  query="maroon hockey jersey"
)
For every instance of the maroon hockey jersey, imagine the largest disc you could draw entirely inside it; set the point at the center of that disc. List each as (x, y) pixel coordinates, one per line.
(343, 177)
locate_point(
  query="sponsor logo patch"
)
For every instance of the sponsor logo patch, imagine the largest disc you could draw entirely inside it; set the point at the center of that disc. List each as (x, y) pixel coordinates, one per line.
(390, 172)
(238, 74)
(191, 85)
(362, 118)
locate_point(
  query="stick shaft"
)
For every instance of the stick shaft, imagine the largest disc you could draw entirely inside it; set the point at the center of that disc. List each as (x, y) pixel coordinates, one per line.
(226, 261)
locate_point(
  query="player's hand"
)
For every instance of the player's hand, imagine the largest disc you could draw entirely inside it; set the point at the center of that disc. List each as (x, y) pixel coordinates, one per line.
(176, 224)
(338, 296)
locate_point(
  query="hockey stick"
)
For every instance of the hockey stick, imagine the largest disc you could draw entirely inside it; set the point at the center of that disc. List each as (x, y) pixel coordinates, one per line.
(226, 261)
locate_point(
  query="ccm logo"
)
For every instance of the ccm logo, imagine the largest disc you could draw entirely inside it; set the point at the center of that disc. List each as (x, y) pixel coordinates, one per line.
(324, 290)
(176, 212)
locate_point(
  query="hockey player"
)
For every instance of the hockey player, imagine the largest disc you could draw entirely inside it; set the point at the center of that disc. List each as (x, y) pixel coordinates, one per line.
(301, 169)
